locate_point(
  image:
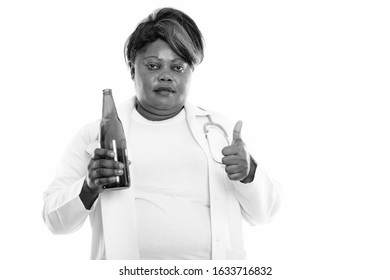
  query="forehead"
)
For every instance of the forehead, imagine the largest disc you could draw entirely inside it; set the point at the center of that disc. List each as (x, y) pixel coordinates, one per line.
(158, 49)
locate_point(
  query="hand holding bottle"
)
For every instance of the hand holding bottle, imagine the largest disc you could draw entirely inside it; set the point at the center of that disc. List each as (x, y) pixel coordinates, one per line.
(103, 170)
(108, 169)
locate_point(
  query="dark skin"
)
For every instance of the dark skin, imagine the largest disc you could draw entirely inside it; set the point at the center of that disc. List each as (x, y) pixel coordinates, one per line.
(102, 170)
(162, 81)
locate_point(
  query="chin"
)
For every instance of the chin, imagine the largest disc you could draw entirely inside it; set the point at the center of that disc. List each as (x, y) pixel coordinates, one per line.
(166, 105)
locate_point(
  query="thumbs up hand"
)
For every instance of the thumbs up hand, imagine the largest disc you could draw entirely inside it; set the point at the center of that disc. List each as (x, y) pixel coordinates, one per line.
(236, 157)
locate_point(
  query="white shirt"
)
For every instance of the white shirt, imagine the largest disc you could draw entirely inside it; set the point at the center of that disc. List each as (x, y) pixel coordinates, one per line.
(169, 177)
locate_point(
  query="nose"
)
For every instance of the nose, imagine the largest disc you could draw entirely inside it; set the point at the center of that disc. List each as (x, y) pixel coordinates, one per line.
(165, 76)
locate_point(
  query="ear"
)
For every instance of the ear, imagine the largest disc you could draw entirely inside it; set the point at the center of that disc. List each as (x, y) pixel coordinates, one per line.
(132, 71)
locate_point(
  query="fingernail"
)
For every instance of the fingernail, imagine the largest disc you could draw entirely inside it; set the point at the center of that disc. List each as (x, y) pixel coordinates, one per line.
(121, 165)
(111, 154)
(120, 172)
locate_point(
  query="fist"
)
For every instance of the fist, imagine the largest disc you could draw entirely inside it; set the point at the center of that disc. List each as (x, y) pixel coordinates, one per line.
(236, 157)
(103, 170)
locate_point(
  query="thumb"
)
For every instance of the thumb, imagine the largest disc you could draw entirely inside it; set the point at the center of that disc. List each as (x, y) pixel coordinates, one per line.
(237, 132)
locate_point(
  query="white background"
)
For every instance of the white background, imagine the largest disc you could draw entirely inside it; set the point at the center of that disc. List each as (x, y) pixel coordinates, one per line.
(310, 80)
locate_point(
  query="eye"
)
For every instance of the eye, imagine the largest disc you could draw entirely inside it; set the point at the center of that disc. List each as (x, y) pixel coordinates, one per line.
(178, 68)
(152, 66)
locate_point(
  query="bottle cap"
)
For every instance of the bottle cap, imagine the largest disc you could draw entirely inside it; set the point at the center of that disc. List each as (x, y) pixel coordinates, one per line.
(107, 91)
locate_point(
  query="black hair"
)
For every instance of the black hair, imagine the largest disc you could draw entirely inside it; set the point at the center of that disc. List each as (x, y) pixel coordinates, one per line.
(176, 28)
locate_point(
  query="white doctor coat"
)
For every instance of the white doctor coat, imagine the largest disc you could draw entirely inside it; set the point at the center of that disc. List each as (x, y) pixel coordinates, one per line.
(113, 214)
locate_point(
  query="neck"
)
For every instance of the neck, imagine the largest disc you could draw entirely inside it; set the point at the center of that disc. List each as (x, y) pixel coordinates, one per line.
(152, 116)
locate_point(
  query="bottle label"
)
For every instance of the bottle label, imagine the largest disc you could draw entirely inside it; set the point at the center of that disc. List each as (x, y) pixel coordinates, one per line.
(115, 155)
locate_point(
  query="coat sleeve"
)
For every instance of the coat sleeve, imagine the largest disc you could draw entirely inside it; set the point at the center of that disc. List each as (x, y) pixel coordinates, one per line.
(63, 210)
(260, 199)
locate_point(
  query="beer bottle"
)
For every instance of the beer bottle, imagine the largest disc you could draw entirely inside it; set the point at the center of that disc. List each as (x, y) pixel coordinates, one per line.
(112, 137)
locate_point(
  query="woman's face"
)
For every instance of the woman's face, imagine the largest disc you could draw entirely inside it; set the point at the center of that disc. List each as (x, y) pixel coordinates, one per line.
(161, 78)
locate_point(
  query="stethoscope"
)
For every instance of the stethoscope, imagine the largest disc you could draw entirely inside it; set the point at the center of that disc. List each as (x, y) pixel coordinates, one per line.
(214, 133)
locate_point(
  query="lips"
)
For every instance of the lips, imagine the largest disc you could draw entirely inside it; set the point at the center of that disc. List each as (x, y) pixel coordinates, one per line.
(164, 89)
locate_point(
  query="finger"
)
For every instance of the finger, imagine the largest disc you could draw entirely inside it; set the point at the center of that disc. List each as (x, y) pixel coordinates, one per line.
(230, 160)
(102, 182)
(231, 169)
(107, 163)
(235, 160)
(237, 132)
(105, 172)
(103, 153)
(236, 176)
(231, 150)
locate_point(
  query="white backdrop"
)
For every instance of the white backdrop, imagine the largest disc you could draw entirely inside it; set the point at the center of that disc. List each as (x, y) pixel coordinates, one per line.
(310, 80)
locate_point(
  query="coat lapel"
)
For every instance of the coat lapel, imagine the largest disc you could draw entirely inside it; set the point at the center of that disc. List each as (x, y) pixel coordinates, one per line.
(119, 224)
(196, 118)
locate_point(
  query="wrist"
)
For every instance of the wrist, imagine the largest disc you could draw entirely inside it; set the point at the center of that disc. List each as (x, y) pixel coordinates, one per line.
(252, 172)
(86, 189)
(87, 195)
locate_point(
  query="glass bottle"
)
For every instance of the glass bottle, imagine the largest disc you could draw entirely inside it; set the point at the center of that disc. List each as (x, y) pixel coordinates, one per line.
(112, 137)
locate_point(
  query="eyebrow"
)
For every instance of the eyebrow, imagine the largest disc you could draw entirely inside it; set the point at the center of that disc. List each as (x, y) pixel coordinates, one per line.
(156, 57)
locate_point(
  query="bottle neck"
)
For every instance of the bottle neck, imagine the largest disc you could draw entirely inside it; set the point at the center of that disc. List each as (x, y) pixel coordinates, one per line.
(109, 109)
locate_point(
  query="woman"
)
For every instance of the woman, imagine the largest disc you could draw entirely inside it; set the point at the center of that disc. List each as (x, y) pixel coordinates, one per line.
(187, 199)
